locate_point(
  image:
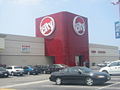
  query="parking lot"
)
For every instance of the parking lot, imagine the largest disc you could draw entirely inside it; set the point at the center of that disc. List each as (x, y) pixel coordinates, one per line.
(41, 82)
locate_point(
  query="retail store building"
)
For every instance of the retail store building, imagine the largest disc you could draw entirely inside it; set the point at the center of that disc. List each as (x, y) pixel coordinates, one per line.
(66, 37)
(61, 38)
(24, 50)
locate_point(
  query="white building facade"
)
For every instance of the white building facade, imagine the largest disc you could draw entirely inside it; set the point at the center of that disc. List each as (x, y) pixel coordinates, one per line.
(101, 53)
(22, 50)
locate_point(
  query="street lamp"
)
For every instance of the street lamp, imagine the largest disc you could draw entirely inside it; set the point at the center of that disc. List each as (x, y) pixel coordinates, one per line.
(117, 3)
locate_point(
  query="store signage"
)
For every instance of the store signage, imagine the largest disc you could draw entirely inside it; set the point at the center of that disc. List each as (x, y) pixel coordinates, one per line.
(117, 29)
(102, 52)
(79, 25)
(25, 48)
(47, 26)
(93, 51)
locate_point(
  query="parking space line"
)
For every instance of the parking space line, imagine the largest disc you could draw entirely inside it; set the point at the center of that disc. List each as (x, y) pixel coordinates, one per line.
(108, 86)
(68, 86)
(23, 84)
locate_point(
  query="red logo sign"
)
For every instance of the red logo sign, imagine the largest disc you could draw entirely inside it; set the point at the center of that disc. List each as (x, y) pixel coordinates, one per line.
(47, 26)
(79, 25)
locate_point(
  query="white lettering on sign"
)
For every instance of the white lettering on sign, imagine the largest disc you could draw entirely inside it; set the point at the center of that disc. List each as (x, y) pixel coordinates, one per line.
(47, 26)
(79, 25)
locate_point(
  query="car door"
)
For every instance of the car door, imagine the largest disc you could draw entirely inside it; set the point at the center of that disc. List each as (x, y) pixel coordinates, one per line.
(26, 69)
(9, 69)
(76, 75)
(65, 75)
(119, 67)
(71, 75)
(114, 68)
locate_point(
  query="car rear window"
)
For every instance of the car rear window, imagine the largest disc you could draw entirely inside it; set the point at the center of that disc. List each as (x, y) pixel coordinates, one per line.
(2, 69)
(17, 67)
(9, 67)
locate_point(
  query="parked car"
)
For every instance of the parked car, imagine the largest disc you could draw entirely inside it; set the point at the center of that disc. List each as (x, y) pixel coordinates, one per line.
(112, 68)
(3, 72)
(55, 67)
(103, 64)
(31, 70)
(15, 70)
(42, 68)
(79, 74)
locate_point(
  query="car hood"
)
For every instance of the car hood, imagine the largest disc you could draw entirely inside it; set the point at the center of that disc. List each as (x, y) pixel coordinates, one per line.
(97, 73)
(3, 71)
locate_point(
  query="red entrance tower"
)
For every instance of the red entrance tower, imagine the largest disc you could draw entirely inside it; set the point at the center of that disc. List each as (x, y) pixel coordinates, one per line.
(66, 37)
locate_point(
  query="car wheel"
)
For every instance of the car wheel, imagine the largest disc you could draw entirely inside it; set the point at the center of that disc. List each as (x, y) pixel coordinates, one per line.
(44, 72)
(89, 81)
(21, 74)
(58, 81)
(28, 73)
(12, 73)
(6, 75)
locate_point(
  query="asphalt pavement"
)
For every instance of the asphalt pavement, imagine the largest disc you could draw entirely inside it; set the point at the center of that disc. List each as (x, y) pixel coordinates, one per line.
(41, 82)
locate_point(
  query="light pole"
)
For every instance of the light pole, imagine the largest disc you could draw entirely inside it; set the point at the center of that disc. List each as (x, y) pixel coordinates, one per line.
(117, 3)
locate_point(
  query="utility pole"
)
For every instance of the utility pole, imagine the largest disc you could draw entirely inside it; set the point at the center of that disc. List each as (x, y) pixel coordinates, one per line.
(117, 23)
(117, 3)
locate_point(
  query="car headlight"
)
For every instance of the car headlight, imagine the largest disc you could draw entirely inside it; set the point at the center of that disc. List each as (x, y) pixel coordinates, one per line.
(108, 77)
(100, 76)
(91, 74)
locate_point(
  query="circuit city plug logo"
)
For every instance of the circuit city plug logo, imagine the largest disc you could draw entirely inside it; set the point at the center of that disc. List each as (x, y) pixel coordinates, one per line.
(47, 26)
(79, 25)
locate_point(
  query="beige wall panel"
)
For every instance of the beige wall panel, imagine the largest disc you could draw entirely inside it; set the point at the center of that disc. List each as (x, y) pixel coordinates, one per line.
(26, 60)
(2, 43)
(23, 38)
(13, 45)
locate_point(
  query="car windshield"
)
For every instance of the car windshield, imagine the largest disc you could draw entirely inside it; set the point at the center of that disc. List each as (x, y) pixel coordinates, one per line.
(85, 70)
(58, 65)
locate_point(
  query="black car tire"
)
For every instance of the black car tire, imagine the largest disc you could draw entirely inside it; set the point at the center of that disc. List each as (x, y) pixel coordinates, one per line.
(21, 74)
(44, 72)
(58, 81)
(89, 81)
(12, 73)
(6, 76)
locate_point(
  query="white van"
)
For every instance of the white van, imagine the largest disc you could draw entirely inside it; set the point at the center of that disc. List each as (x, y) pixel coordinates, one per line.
(112, 68)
